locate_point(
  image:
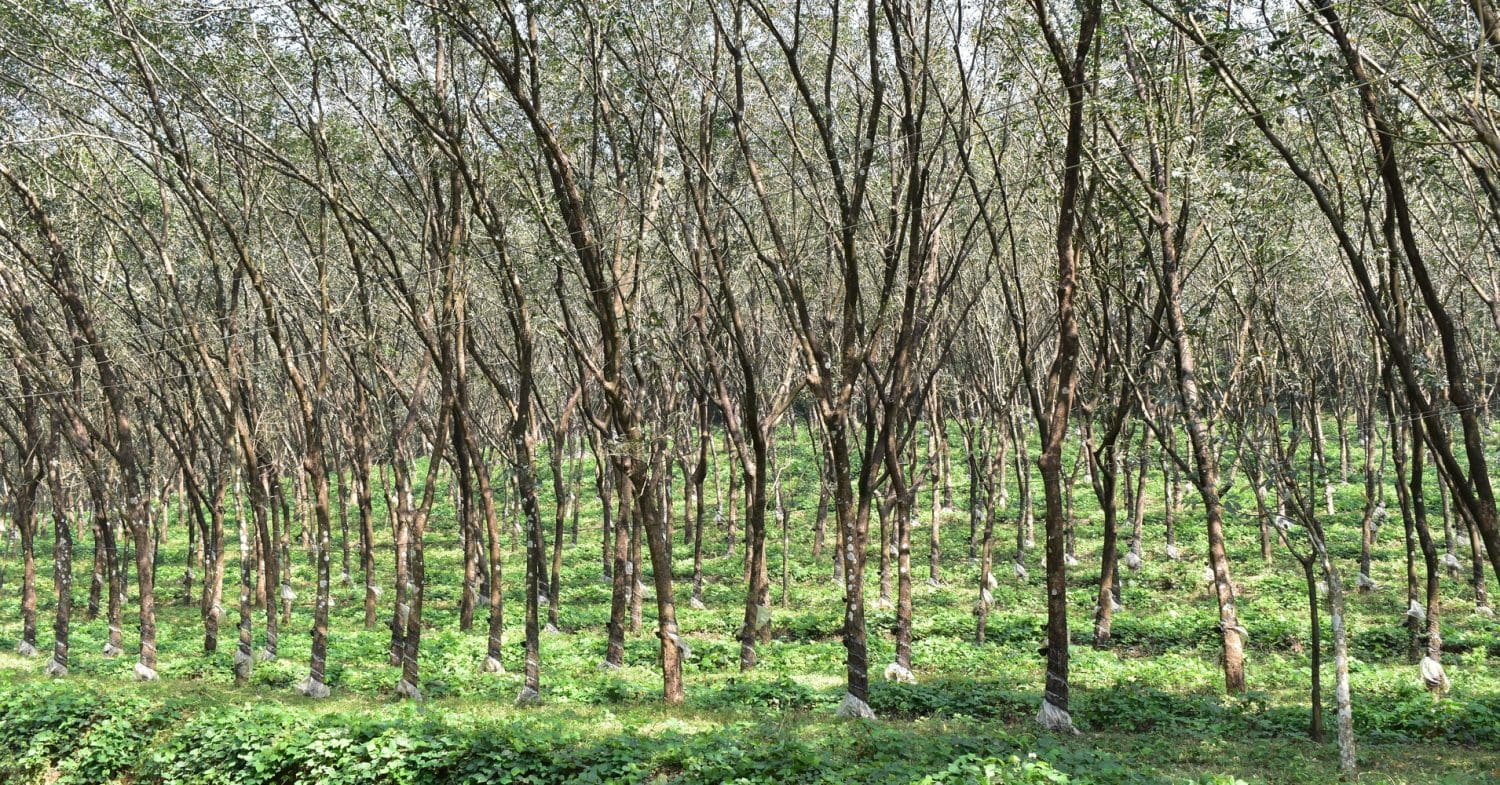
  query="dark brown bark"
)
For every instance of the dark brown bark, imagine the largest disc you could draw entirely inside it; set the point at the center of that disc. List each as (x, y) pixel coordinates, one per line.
(1053, 411)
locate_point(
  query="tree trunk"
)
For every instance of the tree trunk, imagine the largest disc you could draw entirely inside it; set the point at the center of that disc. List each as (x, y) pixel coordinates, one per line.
(62, 577)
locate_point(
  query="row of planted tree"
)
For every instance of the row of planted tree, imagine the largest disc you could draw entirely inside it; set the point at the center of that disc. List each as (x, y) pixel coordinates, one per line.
(290, 258)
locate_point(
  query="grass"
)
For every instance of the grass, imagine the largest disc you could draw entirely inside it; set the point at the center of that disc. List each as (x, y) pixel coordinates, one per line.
(1150, 706)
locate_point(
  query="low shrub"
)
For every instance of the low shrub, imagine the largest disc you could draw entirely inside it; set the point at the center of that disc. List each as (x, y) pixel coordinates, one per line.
(949, 698)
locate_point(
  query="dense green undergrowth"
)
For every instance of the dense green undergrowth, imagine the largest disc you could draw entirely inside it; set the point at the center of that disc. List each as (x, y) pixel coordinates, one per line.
(1150, 705)
(77, 733)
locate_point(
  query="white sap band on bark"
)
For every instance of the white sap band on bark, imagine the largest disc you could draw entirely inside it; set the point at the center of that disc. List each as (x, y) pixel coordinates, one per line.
(1416, 611)
(855, 708)
(898, 672)
(1055, 719)
(313, 688)
(1433, 675)
(686, 651)
(491, 665)
(143, 673)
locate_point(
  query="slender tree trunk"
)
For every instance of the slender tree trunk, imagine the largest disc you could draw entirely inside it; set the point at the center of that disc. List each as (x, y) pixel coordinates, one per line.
(1138, 506)
(496, 599)
(244, 655)
(194, 549)
(854, 527)
(1204, 457)
(623, 577)
(1105, 478)
(62, 577)
(986, 549)
(211, 603)
(401, 507)
(757, 617)
(637, 584)
(1431, 664)
(1315, 651)
(902, 518)
(888, 537)
(1343, 702)
(345, 495)
(1027, 511)
(316, 685)
(732, 507)
(700, 473)
(559, 523)
(411, 637)
(536, 549)
(469, 539)
(1476, 554)
(1414, 610)
(98, 576)
(138, 519)
(104, 533)
(673, 647)
(935, 474)
(25, 522)
(1374, 509)
(364, 488)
